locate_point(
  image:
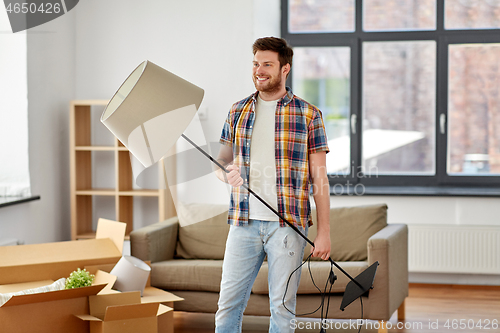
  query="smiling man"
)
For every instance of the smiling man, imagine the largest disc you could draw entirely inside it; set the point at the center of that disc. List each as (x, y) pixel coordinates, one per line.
(275, 143)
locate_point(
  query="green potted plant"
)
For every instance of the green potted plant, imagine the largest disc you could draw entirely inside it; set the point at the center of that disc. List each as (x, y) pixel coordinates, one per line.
(79, 278)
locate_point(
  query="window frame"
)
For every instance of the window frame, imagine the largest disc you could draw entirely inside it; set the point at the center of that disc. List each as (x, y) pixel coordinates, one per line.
(355, 40)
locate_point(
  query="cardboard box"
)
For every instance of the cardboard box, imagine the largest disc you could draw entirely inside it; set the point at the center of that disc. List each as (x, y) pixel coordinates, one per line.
(47, 312)
(122, 313)
(29, 266)
(166, 319)
(165, 316)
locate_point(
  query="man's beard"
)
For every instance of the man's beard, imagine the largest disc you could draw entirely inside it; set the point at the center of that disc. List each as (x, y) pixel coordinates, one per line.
(272, 85)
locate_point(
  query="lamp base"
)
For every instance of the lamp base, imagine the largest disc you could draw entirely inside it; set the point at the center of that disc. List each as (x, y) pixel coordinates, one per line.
(365, 280)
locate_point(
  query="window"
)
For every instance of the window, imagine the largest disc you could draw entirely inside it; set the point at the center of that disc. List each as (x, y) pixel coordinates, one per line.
(322, 76)
(472, 14)
(397, 15)
(321, 16)
(409, 89)
(474, 109)
(399, 99)
(14, 168)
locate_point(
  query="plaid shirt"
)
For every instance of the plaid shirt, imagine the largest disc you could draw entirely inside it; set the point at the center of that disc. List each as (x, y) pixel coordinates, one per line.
(299, 131)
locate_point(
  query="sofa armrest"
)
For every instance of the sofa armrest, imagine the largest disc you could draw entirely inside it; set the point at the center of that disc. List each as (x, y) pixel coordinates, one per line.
(155, 242)
(389, 247)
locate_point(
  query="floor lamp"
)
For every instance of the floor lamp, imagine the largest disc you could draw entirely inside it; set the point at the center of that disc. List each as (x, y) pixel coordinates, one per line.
(151, 110)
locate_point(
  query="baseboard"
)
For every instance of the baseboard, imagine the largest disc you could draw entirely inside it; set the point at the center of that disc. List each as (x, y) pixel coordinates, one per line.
(454, 279)
(454, 286)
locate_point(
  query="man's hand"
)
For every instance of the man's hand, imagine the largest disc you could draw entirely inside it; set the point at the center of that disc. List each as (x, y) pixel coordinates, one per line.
(322, 246)
(233, 178)
(225, 158)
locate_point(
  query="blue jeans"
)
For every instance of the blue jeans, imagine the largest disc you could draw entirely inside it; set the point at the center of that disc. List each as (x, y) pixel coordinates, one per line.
(246, 248)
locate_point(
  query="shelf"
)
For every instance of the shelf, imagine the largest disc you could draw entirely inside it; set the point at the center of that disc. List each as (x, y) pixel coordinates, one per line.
(95, 191)
(102, 181)
(95, 148)
(101, 148)
(139, 193)
(90, 102)
(91, 235)
(108, 192)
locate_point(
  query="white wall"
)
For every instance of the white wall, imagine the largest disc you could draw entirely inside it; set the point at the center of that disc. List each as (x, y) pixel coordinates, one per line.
(206, 42)
(431, 210)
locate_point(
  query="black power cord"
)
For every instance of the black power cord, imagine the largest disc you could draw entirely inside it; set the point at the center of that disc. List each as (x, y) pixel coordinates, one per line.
(361, 300)
(324, 294)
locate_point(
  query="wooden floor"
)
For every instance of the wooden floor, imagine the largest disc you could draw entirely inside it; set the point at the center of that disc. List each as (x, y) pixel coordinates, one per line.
(429, 308)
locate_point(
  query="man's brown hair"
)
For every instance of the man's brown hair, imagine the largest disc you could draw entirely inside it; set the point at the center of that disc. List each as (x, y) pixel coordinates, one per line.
(279, 45)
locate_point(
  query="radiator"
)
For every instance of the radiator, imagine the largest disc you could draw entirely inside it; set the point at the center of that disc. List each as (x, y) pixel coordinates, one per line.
(454, 249)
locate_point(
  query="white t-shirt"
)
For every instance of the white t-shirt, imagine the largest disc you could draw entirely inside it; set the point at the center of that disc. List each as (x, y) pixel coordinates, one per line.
(262, 162)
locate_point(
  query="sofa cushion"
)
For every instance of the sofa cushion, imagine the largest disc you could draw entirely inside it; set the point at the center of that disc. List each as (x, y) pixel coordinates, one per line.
(206, 239)
(187, 274)
(205, 275)
(320, 271)
(350, 228)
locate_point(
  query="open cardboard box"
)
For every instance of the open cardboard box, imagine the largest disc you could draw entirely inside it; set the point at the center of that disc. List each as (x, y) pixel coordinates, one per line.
(122, 313)
(150, 295)
(29, 266)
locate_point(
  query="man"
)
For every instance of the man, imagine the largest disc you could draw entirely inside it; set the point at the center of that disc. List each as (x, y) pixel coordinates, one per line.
(274, 142)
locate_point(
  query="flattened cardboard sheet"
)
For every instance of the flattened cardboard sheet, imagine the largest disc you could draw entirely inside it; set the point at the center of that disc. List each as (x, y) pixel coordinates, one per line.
(33, 254)
(112, 230)
(52, 261)
(155, 295)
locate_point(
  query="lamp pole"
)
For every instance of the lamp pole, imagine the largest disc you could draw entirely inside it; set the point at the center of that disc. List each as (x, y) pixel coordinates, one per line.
(272, 209)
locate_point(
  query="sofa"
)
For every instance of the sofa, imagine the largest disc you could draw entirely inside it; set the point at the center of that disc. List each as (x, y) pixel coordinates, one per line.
(188, 261)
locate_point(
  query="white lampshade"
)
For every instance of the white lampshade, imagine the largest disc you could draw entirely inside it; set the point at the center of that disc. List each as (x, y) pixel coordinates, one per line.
(148, 114)
(131, 274)
(151, 110)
